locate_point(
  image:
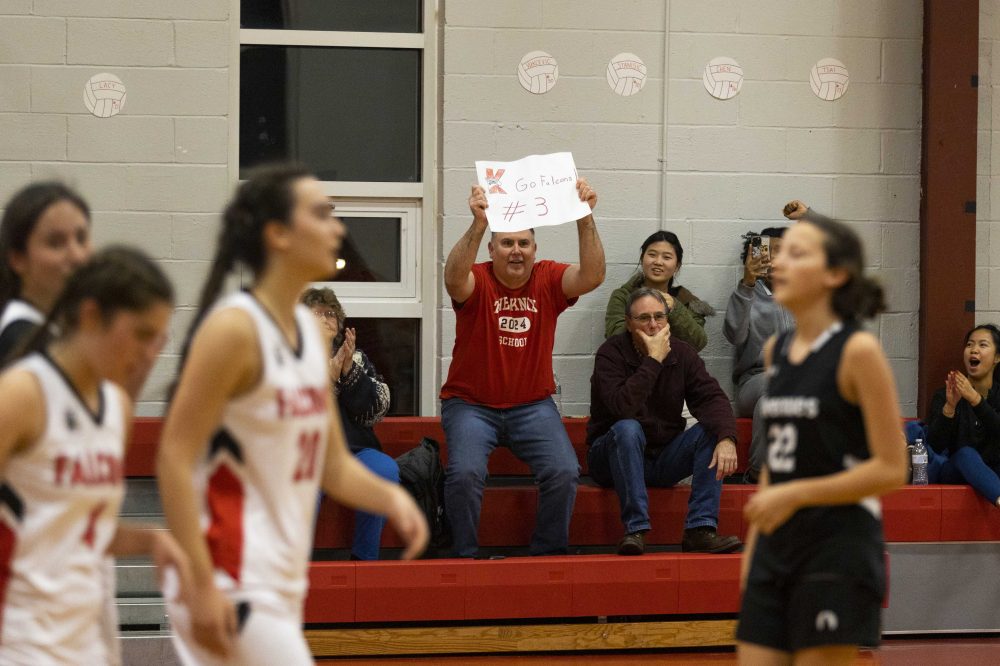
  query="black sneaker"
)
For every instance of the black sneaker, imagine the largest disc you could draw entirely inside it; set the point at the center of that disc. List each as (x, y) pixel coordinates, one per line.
(707, 540)
(632, 544)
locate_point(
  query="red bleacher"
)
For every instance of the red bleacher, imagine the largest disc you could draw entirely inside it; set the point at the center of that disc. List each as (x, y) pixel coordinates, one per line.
(572, 586)
(547, 587)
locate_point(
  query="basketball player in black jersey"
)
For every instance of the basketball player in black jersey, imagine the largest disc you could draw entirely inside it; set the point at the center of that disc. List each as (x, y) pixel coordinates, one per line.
(813, 573)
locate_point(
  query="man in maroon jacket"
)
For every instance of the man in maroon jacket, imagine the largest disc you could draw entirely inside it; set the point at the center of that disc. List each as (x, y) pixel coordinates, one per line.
(636, 432)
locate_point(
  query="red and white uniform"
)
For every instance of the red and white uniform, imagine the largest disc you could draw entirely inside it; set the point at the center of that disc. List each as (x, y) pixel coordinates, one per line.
(59, 508)
(259, 485)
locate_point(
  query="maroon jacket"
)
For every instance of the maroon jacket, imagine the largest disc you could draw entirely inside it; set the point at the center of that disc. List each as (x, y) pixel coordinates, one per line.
(627, 385)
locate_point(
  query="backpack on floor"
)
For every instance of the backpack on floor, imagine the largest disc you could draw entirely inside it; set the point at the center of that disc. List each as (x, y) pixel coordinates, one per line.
(421, 473)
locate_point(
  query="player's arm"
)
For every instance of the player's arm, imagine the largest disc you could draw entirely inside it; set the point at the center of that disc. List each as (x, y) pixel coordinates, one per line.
(458, 278)
(349, 482)
(22, 413)
(223, 362)
(587, 275)
(863, 378)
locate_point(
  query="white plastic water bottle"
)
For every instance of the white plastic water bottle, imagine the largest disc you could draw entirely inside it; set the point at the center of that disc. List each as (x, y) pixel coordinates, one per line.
(557, 395)
(919, 462)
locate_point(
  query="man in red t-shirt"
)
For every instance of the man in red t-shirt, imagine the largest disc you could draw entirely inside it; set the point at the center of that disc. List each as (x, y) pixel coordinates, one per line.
(500, 383)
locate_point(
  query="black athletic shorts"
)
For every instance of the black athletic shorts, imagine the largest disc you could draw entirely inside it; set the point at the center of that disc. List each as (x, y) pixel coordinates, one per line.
(816, 582)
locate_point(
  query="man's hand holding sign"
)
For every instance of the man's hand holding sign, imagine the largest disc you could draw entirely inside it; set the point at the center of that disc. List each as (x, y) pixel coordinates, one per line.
(535, 191)
(563, 198)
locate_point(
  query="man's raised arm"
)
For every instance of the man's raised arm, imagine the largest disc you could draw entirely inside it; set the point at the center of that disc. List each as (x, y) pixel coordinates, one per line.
(589, 273)
(458, 278)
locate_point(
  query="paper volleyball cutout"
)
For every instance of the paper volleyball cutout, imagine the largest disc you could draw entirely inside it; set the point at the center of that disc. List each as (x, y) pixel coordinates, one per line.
(723, 78)
(829, 79)
(538, 72)
(626, 74)
(104, 95)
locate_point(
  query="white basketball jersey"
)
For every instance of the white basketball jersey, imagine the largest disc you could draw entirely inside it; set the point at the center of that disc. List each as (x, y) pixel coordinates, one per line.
(260, 479)
(59, 507)
(17, 310)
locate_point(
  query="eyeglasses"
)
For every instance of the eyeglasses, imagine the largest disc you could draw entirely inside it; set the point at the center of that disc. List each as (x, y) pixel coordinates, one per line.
(645, 317)
(325, 314)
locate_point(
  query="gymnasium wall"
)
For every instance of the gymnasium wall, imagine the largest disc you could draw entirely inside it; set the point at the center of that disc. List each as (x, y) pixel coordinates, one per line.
(728, 167)
(988, 152)
(157, 174)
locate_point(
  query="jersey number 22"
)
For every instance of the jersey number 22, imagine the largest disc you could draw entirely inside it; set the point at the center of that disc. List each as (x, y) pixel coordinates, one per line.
(781, 443)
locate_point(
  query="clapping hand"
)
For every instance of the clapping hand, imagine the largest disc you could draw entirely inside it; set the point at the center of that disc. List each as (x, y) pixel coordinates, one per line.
(342, 362)
(964, 388)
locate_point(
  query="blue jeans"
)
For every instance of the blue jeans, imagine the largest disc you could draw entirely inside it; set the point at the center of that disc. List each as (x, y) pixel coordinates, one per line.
(964, 466)
(618, 458)
(368, 526)
(535, 434)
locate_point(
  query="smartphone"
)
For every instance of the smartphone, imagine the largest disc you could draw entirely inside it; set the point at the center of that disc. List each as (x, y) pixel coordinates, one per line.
(760, 246)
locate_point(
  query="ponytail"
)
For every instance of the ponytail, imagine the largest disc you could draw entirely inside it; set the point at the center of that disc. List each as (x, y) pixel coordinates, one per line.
(266, 196)
(860, 297)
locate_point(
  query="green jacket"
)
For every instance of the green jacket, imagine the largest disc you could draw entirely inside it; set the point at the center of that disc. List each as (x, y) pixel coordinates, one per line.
(687, 319)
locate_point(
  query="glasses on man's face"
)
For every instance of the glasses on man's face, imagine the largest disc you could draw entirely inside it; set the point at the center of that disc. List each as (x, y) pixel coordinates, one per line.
(325, 314)
(646, 317)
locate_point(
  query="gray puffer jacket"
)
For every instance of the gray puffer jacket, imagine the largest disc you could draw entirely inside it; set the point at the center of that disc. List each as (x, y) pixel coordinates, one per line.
(752, 316)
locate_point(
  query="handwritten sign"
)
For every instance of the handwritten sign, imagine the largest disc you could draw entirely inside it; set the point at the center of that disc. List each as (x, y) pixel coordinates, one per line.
(535, 191)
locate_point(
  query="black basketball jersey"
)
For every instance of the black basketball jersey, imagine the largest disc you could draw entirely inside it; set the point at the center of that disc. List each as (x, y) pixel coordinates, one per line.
(811, 430)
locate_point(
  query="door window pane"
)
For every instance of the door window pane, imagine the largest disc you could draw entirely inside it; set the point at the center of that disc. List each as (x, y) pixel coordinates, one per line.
(371, 250)
(393, 345)
(340, 15)
(349, 114)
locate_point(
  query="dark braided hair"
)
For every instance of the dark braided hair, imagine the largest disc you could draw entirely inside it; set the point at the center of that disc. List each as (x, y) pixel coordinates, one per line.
(266, 196)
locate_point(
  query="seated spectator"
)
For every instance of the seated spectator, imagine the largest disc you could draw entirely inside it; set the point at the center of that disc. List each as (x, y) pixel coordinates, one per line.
(500, 382)
(752, 317)
(660, 260)
(964, 422)
(636, 437)
(363, 399)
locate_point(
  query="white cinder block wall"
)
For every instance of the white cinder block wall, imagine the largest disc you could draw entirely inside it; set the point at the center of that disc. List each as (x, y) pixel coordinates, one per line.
(988, 152)
(730, 166)
(155, 175)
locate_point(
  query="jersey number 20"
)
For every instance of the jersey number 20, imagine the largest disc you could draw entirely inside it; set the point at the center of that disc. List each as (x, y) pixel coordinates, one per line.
(305, 468)
(781, 443)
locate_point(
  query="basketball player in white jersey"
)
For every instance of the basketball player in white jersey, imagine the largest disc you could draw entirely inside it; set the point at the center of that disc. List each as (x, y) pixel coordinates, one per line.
(813, 570)
(44, 237)
(251, 433)
(63, 429)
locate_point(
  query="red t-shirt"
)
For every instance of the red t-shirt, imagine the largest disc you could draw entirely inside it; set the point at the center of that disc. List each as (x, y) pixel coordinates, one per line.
(504, 337)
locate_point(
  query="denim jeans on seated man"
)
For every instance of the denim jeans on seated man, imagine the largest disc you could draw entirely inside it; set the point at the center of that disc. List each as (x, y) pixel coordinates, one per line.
(618, 458)
(535, 434)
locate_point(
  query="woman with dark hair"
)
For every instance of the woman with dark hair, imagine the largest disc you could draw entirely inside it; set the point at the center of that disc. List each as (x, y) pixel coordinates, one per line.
(660, 260)
(813, 571)
(251, 433)
(363, 399)
(44, 236)
(964, 423)
(63, 431)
